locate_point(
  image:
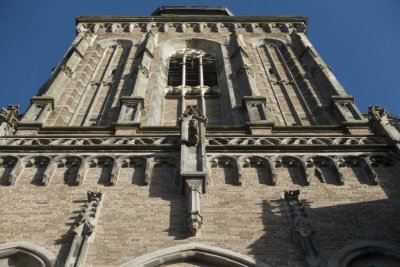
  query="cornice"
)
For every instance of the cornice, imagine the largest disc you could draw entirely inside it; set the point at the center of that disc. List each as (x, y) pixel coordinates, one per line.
(104, 19)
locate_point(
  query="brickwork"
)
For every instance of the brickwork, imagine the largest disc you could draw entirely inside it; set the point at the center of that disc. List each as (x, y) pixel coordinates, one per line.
(250, 219)
(153, 172)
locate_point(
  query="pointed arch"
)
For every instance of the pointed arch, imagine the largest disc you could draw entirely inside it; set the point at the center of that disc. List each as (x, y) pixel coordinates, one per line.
(24, 253)
(194, 251)
(374, 250)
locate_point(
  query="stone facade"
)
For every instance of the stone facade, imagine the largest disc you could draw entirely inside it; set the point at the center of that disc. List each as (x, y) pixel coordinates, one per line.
(253, 154)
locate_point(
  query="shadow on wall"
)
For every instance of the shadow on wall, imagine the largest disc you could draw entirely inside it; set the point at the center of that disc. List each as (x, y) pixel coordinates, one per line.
(164, 184)
(336, 227)
(65, 240)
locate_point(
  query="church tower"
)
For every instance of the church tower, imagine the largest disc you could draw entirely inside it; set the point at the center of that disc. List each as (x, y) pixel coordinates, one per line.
(193, 137)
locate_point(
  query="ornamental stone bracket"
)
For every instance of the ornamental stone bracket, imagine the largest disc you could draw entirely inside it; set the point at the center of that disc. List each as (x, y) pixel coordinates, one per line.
(85, 229)
(193, 164)
(194, 184)
(302, 228)
(8, 120)
(384, 122)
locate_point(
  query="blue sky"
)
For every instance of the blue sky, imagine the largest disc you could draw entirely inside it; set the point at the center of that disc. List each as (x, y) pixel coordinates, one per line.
(358, 39)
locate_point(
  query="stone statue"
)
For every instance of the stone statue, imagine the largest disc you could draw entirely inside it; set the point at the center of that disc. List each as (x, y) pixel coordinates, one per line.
(8, 120)
(193, 135)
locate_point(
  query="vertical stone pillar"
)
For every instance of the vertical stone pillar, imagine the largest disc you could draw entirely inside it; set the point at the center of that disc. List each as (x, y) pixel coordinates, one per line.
(193, 164)
(16, 172)
(193, 190)
(302, 228)
(85, 230)
(50, 171)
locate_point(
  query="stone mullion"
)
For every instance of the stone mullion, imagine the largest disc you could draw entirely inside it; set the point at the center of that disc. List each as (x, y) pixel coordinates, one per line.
(183, 93)
(87, 89)
(288, 99)
(201, 74)
(302, 99)
(96, 96)
(16, 172)
(272, 88)
(231, 96)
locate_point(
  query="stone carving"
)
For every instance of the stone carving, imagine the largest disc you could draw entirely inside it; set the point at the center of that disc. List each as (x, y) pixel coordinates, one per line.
(385, 123)
(85, 229)
(302, 228)
(193, 111)
(8, 120)
(128, 112)
(193, 191)
(215, 141)
(193, 135)
(143, 70)
(67, 70)
(180, 27)
(89, 141)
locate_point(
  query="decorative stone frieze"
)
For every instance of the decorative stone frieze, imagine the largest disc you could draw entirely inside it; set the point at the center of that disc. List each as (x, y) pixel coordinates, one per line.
(302, 228)
(193, 163)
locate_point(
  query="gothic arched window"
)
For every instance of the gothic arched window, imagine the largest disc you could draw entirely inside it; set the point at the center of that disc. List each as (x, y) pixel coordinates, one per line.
(191, 67)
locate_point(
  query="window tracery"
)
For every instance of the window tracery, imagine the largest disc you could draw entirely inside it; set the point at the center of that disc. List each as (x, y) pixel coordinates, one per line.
(190, 67)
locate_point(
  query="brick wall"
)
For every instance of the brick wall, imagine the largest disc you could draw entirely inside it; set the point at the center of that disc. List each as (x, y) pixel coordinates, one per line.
(250, 219)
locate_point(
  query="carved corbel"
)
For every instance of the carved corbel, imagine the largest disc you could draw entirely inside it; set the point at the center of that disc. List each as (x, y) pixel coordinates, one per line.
(193, 191)
(271, 170)
(16, 172)
(81, 28)
(327, 162)
(300, 27)
(302, 228)
(115, 171)
(369, 171)
(85, 229)
(50, 171)
(82, 171)
(148, 171)
(215, 27)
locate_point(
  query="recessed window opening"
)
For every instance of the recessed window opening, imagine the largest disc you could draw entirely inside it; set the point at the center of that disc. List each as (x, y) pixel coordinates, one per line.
(192, 68)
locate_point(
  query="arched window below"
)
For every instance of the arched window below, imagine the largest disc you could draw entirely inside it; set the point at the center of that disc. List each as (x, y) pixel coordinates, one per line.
(190, 67)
